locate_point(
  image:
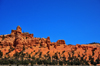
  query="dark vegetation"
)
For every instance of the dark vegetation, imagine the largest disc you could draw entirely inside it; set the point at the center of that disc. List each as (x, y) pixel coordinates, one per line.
(3, 37)
(94, 43)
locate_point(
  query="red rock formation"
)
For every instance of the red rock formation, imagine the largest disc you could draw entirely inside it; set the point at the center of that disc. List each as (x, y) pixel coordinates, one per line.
(60, 42)
(17, 40)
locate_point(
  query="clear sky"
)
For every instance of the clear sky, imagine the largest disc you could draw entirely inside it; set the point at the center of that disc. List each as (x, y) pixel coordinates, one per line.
(75, 21)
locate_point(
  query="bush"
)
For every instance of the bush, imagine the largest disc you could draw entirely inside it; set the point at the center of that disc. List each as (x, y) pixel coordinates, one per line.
(1, 53)
(26, 37)
(40, 54)
(33, 57)
(46, 61)
(69, 44)
(16, 55)
(60, 62)
(1, 61)
(55, 62)
(25, 62)
(63, 52)
(55, 56)
(29, 56)
(98, 60)
(3, 37)
(33, 62)
(39, 62)
(94, 43)
(5, 62)
(12, 61)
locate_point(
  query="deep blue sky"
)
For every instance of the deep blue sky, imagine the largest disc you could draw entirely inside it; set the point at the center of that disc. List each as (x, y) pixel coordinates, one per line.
(75, 21)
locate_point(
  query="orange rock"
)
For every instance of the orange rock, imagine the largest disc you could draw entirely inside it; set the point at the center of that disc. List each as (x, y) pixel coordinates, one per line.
(55, 46)
(98, 64)
(48, 45)
(12, 53)
(17, 40)
(60, 42)
(48, 40)
(19, 29)
(33, 54)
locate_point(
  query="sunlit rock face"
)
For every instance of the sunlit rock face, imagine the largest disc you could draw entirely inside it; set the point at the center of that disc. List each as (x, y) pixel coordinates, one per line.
(34, 46)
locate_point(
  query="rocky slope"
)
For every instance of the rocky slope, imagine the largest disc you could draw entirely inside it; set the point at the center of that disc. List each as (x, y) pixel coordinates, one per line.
(43, 48)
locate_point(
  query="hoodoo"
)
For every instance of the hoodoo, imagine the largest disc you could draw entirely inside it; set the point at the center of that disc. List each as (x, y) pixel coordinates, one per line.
(26, 46)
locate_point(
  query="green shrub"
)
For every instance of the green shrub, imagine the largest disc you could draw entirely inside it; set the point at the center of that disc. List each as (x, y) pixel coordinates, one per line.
(33, 57)
(29, 56)
(3, 37)
(25, 62)
(39, 62)
(5, 62)
(12, 61)
(1, 53)
(94, 43)
(60, 62)
(26, 37)
(40, 54)
(33, 62)
(55, 56)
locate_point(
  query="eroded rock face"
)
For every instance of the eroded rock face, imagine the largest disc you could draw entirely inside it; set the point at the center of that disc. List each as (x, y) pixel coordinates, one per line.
(32, 45)
(19, 29)
(60, 42)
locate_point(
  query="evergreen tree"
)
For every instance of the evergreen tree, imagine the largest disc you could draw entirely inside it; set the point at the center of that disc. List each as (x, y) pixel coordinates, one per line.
(33, 62)
(12, 61)
(98, 60)
(1, 53)
(39, 62)
(3, 37)
(25, 62)
(16, 55)
(29, 56)
(55, 56)
(40, 54)
(60, 62)
(33, 57)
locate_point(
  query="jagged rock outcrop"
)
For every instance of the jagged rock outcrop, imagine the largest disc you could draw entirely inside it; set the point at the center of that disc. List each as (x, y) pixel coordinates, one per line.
(34, 46)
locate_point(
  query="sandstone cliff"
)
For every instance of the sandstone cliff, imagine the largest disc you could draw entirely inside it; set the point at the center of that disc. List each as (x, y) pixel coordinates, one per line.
(16, 41)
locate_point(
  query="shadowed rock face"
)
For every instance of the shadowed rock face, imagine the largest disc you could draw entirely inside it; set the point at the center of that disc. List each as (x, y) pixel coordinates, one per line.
(34, 46)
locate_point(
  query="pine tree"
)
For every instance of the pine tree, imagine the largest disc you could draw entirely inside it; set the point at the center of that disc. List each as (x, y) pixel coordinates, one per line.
(3, 37)
(1, 53)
